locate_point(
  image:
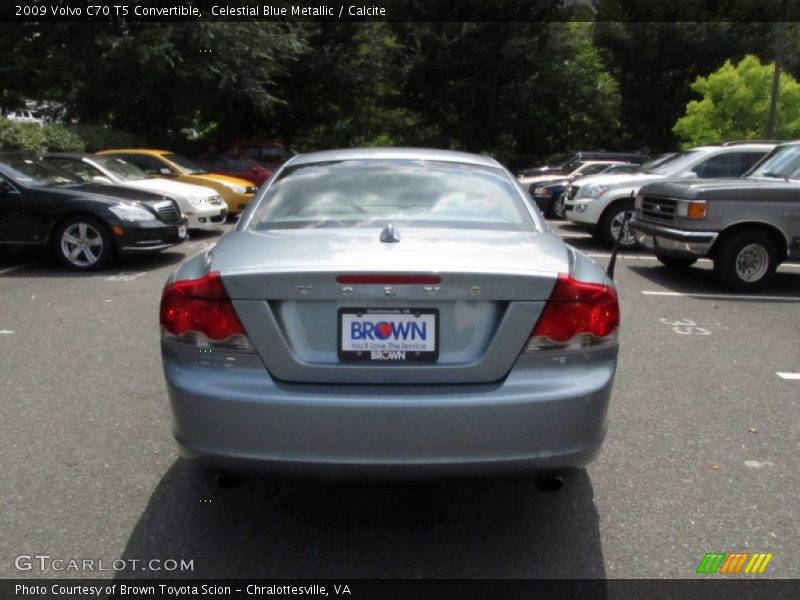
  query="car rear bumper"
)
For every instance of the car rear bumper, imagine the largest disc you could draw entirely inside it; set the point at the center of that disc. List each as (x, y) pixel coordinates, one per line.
(237, 416)
(543, 202)
(666, 240)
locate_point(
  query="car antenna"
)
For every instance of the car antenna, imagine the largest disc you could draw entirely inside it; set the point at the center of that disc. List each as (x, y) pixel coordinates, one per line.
(613, 261)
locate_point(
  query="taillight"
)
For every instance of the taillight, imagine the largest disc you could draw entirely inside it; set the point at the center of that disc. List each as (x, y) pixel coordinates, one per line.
(198, 312)
(577, 315)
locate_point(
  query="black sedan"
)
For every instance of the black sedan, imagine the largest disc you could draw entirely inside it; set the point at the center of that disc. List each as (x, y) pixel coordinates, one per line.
(85, 225)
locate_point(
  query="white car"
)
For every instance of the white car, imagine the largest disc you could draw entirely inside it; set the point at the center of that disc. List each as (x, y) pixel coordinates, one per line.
(588, 167)
(203, 206)
(599, 203)
(25, 116)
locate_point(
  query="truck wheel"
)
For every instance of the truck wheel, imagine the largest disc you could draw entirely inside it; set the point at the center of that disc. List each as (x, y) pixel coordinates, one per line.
(676, 262)
(610, 224)
(745, 261)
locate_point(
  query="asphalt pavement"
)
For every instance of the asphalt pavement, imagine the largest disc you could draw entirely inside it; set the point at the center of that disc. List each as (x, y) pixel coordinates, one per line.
(701, 454)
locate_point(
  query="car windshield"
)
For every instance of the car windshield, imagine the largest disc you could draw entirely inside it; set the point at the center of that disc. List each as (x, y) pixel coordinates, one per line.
(184, 164)
(650, 165)
(590, 169)
(33, 172)
(676, 163)
(361, 193)
(783, 163)
(121, 169)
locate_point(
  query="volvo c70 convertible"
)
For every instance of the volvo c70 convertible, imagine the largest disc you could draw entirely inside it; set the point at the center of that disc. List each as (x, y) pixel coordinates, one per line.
(390, 310)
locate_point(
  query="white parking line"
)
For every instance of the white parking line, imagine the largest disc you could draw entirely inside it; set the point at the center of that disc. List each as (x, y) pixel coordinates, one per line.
(10, 269)
(721, 296)
(789, 375)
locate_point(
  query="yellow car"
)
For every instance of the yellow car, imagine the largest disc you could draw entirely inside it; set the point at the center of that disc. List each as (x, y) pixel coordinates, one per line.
(236, 192)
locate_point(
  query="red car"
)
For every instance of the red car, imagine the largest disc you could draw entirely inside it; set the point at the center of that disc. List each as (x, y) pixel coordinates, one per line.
(235, 166)
(268, 153)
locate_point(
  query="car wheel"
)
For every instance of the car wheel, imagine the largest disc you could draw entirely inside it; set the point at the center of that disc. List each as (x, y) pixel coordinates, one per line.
(676, 262)
(559, 210)
(745, 261)
(83, 244)
(610, 224)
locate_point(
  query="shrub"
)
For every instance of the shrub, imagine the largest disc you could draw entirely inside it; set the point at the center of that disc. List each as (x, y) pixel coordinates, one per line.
(27, 137)
(60, 139)
(98, 137)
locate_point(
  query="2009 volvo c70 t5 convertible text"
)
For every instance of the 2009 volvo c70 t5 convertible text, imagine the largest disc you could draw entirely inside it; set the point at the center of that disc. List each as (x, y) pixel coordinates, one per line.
(387, 310)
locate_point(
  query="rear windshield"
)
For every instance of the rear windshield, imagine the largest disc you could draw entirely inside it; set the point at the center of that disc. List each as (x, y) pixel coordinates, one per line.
(357, 193)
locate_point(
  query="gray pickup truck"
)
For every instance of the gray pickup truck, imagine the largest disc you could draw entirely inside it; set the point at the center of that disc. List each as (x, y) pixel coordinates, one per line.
(747, 226)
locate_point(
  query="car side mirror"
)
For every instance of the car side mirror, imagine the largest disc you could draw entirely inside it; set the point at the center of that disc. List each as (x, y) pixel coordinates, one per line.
(688, 175)
(5, 187)
(101, 179)
(166, 172)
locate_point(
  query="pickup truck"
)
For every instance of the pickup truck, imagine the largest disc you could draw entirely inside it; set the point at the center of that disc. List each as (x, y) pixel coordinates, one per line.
(746, 226)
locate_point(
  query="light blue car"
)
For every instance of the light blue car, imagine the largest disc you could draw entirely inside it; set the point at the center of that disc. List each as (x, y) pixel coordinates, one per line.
(390, 311)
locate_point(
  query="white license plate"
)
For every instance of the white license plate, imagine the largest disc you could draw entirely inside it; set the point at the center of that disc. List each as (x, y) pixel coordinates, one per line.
(389, 334)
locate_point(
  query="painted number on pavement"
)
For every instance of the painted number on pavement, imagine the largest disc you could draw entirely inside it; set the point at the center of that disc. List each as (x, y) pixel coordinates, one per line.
(686, 327)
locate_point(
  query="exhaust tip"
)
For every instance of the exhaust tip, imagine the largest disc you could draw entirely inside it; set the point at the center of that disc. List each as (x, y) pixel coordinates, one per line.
(549, 484)
(228, 481)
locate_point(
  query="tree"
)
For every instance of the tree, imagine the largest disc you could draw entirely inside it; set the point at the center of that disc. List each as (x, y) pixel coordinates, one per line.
(735, 103)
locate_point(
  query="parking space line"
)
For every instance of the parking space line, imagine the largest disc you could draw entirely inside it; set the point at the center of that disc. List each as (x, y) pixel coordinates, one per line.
(789, 375)
(10, 269)
(721, 296)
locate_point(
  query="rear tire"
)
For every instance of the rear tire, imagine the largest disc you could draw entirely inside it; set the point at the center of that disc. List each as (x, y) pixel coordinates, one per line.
(746, 260)
(83, 243)
(676, 262)
(559, 210)
(610, 223)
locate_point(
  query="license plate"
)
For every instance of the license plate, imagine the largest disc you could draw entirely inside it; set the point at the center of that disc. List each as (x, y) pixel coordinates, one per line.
(181, 231)
(388, 334)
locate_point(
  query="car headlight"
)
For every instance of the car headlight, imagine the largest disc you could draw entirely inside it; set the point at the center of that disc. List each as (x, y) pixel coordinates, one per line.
(594, 191)
(130, 212)
(236, 189)
(251, 189)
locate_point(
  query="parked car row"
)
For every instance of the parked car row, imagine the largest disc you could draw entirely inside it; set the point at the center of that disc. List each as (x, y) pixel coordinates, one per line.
(88, 208)
(737, 203)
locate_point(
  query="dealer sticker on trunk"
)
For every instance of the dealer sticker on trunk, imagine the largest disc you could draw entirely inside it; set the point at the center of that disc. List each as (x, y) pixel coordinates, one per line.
(388, 334)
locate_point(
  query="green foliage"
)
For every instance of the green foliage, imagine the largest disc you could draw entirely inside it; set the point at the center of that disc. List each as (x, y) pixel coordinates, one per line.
(735, 105)
(60, 139)
(27, 137)
(98, 137)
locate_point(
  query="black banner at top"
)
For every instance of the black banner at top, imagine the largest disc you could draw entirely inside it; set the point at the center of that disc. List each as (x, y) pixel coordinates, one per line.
(395, 10)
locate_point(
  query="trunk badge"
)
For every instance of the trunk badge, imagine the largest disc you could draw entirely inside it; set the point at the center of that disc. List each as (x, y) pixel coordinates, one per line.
(388, 291)
(475, 290)
(347, 291)
(304, 290)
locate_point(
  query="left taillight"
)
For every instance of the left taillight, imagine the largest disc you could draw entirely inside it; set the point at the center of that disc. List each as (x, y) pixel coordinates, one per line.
(199, 312)
(577, 315)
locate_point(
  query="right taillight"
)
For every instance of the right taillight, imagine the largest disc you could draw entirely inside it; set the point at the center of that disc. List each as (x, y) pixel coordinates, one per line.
(198, 312)
(577, 314)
